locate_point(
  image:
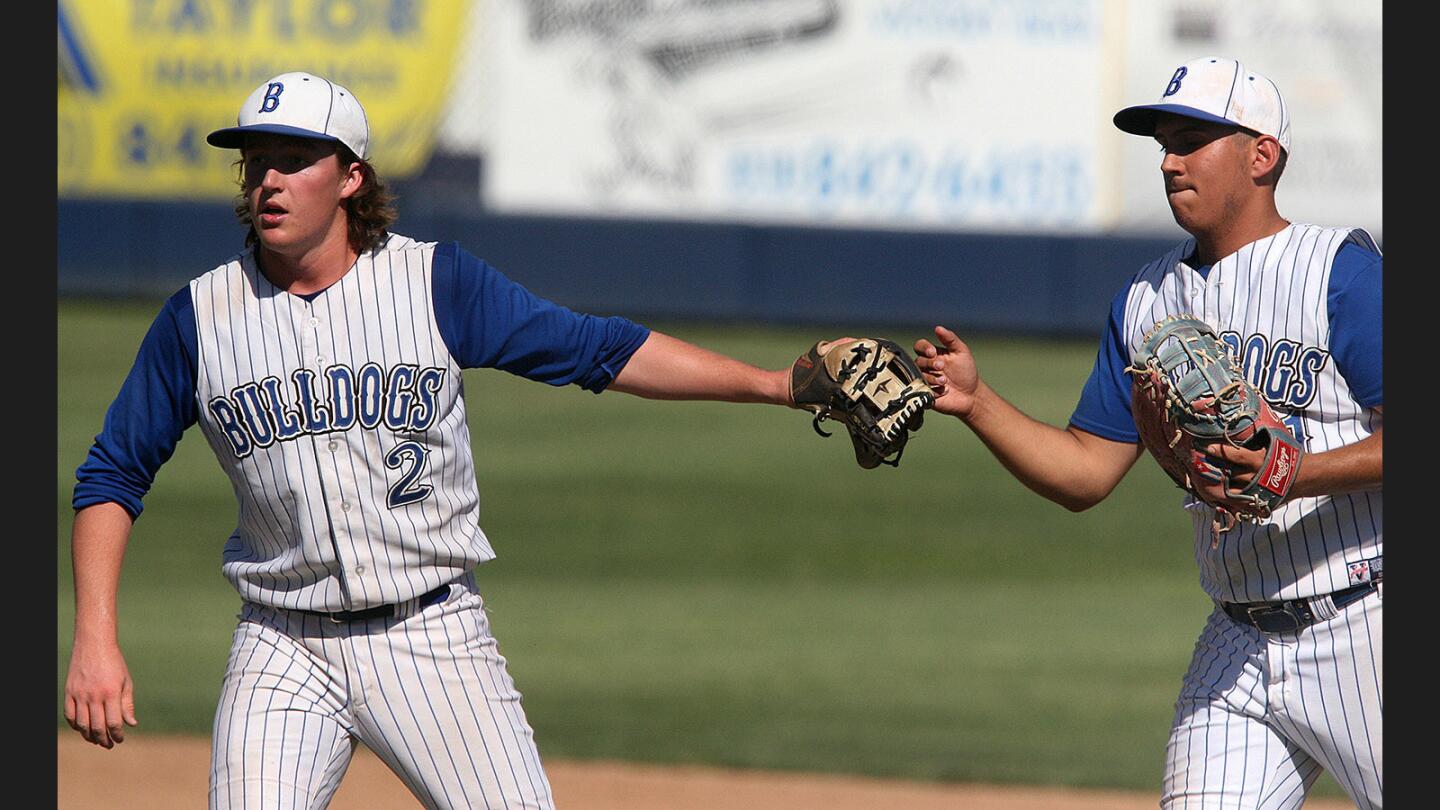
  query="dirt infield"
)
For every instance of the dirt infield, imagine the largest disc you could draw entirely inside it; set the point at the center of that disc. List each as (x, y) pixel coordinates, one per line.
(170, 772)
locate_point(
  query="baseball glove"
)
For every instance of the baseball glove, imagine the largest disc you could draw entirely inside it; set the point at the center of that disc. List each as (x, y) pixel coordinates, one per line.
(1188, 391)
(870, 385)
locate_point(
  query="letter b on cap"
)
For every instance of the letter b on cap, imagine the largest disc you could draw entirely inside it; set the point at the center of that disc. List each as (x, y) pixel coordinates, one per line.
(1171, 89)
(272, 97)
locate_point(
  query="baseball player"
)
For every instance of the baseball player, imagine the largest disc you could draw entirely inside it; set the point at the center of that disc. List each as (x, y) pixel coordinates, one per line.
(323, 365)
(1285, 679)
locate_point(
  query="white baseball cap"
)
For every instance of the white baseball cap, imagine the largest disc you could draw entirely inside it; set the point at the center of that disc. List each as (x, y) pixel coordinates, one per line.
(303, 105)
(1213, 88)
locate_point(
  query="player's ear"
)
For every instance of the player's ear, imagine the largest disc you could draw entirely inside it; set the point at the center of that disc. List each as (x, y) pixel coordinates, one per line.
(1265, 157)
(352, 179)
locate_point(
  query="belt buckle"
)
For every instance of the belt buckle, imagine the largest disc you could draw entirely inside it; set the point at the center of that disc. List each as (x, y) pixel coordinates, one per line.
(1282, 618)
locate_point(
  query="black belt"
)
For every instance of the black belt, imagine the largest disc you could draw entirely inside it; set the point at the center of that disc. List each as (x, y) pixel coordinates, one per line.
(1292, 614)
(381, 611)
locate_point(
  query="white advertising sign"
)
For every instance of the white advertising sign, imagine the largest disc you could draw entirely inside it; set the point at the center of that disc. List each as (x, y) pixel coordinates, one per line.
(981, 115)
(886, 113)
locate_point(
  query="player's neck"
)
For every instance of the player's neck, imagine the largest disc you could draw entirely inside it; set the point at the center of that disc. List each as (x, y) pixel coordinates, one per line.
(1212, 247)
(309, 271)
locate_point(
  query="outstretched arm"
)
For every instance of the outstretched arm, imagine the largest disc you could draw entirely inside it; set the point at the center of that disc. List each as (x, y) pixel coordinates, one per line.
(99, 697)
(1069, 466)
(669, 368)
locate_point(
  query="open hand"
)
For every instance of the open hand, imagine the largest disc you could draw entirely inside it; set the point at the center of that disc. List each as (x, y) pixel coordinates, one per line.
(949, 369)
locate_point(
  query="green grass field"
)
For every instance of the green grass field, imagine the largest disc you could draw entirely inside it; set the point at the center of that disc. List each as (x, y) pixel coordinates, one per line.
(714, 583)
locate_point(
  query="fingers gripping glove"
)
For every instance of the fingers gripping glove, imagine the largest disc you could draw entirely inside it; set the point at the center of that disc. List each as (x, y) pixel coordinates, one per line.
(1188, 390)
(872, 386)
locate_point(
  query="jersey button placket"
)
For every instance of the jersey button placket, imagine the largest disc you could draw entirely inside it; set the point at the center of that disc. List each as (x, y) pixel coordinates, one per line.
(1209, 302)
(1196, 302)
(333, 473)
(315, 334)
(350, 555)
(308, 324)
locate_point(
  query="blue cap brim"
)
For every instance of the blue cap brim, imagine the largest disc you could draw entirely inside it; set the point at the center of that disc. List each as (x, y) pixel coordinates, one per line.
(234, 137)
(1140, 120)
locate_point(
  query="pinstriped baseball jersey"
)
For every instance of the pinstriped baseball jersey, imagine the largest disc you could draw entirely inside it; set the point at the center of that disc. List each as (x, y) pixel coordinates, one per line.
(336, 420)
(1271, 303)
(339, 416)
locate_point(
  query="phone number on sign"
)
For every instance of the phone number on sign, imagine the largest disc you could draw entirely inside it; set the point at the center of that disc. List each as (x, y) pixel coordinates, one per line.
(145, 143)
(1029, 185)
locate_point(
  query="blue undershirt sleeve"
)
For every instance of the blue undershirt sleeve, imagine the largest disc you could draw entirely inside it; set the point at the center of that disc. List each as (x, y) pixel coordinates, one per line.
(1356, 334)
(155, 405)
(489, 321)
(1104, 407)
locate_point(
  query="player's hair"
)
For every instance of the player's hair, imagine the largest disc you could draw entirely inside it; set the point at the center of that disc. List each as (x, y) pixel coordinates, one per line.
(369, 212)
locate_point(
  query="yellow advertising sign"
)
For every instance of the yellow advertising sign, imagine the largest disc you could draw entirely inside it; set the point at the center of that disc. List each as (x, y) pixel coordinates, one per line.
(142, 82)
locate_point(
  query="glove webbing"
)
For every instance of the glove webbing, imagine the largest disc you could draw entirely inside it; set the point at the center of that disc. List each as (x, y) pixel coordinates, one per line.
(1202, 361)
(1228, 420)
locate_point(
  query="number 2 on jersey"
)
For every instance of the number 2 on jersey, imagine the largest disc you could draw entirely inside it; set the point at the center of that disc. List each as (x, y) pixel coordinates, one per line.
(406, 491)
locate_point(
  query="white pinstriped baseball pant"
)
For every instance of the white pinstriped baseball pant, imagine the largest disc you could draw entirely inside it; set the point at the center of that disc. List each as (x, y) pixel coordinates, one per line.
(1261, 714)
(428, 693)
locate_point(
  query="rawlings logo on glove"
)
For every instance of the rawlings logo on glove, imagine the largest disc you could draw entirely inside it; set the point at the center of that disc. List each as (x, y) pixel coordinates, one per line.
(1188, 392)
(870, 385)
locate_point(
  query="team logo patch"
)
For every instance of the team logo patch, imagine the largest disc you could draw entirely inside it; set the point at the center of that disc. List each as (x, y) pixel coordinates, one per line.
(1365, 570)
(272, 97)
(1174, 86)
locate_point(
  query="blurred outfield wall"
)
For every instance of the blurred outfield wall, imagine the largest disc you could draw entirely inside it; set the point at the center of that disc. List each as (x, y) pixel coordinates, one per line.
(713, 158)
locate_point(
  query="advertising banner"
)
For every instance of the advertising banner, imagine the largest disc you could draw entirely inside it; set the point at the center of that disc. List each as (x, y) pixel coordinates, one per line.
(888, 113)
(141, 82)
